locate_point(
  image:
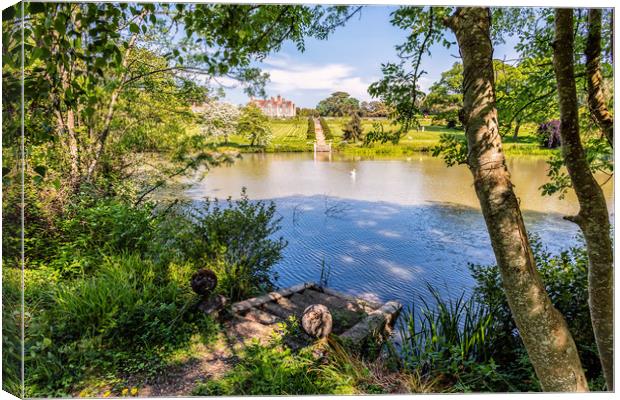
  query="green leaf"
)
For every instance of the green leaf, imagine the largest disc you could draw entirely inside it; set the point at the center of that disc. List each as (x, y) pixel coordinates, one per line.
(134, 28)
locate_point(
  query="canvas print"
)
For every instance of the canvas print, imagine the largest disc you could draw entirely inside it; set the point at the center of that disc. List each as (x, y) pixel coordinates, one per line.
(221, 199)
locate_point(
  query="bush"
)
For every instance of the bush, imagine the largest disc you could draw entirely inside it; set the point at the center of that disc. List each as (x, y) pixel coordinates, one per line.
(90, 229)
(236, 241)
(11, 330)
(123, 318)
(549, 134)
(326, 130)
(274, 369)
(474, 345)
(565, 277)
(310, 133)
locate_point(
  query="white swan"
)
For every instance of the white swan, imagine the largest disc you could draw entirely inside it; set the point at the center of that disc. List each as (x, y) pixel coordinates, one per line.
(353, 173)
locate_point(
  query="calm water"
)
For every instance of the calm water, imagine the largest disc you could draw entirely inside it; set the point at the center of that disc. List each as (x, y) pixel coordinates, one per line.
(391, 227)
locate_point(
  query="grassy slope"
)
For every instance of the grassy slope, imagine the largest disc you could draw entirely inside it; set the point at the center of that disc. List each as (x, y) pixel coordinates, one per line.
(290, 135)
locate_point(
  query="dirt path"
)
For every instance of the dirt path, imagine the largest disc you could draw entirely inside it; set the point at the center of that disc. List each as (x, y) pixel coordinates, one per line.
(318, 130)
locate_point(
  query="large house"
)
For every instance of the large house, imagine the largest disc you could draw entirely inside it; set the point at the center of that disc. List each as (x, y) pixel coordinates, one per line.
(276, 107)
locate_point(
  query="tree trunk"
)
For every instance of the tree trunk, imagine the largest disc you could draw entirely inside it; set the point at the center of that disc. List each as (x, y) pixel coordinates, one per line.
(545, 334)
(596, 97)
(515, 135)
(593, 216)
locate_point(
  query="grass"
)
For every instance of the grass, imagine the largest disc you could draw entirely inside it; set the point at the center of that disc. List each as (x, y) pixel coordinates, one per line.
(289, 135)
(322, 368)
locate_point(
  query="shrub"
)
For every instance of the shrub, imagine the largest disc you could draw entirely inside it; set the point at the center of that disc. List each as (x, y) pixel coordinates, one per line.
(123, 318)
(326, 130)
(274, 369)
(310, 133)
(565, 277)
(549, 134)
(236, 241)
(11, 330)
(474, 345)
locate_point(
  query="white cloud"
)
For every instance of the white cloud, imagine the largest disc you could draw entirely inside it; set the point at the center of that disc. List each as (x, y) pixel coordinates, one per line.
(287, 76)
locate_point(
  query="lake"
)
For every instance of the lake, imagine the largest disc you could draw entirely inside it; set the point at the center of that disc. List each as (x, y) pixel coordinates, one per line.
(391, 226)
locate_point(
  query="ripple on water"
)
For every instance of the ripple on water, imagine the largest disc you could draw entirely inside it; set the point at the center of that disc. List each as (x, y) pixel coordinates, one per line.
(403, 249)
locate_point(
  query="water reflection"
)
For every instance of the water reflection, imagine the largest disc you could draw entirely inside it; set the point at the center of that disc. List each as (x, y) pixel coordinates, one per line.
(418, 180)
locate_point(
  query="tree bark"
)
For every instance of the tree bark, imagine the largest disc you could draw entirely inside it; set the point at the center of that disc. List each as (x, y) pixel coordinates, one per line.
(515, 135)
(596, 97)
(593, 216)
(546, 337)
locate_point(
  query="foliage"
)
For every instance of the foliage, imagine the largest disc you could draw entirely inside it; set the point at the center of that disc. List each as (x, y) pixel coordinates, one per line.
(218, 119)
(307, 112)
(94, 69)
(375, 109)
(321, 368)
(109, 295)
(451, 339)
(11, 329)
(599, 155)
(236, 241)
(474, 344)
(326, 130)
(445, 97)
(565, 278)
(453, 149)
(549, 134)
(310, 133)
(399, 87)
(254, 125)
(276, 370)
(338, 104)
(99, 304)
(353, 130)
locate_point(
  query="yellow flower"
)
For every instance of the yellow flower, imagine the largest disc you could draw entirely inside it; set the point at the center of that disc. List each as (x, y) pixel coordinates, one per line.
(107, 393)
(124, 392)
(134, 391)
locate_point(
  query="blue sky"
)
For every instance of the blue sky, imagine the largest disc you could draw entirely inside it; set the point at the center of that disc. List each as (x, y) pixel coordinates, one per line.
(349, 60)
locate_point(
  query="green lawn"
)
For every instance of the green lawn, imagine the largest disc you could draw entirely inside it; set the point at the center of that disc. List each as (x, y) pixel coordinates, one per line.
(289, 135)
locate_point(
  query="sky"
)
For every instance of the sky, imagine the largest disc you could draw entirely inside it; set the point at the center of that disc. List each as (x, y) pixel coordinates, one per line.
(349, 61)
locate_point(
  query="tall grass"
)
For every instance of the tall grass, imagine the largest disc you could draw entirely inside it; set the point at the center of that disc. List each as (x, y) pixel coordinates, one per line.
(451, 325)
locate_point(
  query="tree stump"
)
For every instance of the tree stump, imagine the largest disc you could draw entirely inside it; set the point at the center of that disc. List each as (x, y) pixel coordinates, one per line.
(204, 282)
(317, 321)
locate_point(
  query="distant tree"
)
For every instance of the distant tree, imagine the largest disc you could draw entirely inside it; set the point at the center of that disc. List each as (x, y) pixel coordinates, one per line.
(307, 112)
(218, 119)
(254, 125)
(353, 130)
(375, 109)
(445, 97)
(338, 104)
